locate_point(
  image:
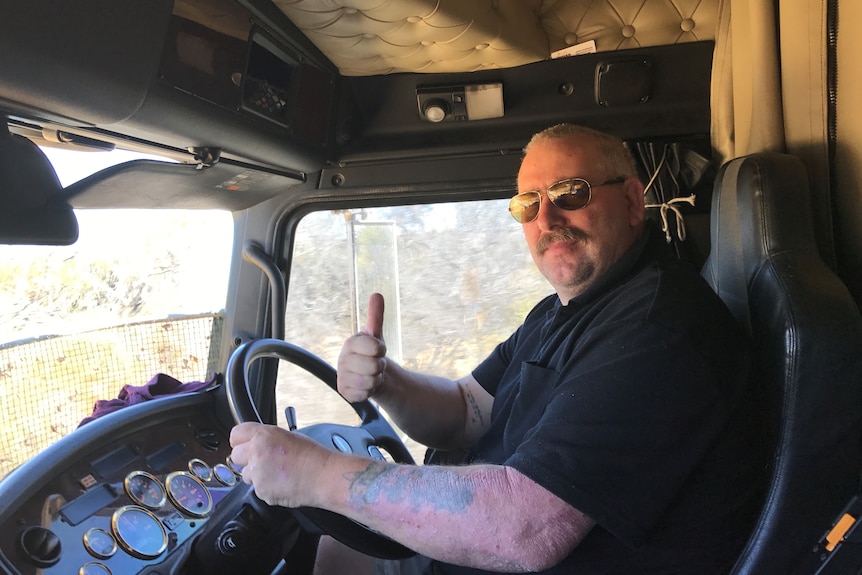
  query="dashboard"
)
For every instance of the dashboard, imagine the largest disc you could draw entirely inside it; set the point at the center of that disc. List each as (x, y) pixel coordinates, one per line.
(149, 489)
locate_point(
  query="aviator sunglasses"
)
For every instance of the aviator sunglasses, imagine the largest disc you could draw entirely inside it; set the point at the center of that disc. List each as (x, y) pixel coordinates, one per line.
(570, 194)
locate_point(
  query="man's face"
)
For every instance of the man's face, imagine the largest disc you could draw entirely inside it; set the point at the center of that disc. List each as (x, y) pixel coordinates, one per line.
(573, 248)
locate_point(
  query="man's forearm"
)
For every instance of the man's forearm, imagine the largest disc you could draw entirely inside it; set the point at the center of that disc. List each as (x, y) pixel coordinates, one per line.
(489, 517)
(430, 409)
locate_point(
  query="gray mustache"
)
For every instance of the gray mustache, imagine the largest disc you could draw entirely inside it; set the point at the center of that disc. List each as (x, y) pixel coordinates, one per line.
(559, 235)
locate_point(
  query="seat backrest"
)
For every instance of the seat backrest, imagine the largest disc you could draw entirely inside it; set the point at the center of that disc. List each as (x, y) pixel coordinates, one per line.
(807, 336)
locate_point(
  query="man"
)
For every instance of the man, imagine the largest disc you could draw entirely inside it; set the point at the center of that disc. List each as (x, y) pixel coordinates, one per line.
(608, 434)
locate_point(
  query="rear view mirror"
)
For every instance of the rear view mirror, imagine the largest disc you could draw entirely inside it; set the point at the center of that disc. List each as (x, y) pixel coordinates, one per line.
(33, 209)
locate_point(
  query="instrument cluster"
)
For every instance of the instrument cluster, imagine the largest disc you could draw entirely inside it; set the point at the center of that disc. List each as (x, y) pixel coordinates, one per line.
(126, 508)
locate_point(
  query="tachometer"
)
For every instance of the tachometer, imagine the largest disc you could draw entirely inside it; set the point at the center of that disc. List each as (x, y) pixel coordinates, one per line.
(144, 489)
(188, 494)
(139, 532)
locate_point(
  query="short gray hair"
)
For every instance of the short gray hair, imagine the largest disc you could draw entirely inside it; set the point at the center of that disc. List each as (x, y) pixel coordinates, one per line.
(615, 160)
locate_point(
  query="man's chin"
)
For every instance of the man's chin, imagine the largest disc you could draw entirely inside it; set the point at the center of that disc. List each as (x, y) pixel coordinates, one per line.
(567, 276)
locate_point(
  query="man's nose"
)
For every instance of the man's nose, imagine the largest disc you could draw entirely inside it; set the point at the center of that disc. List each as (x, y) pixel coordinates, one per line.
(549, 215)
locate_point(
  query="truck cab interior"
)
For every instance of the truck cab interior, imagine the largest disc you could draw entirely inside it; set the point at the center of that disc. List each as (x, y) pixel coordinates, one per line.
(273, 162)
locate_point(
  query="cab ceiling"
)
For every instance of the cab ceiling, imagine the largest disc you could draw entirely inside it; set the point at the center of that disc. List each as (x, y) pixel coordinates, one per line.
(369, 37)
(177, 73)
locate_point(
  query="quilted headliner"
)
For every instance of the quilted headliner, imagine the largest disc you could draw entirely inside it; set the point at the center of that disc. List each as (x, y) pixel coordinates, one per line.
(368, 37)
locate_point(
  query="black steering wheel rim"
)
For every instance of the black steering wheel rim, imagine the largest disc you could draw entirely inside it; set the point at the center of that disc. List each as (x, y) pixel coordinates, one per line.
(373, 430)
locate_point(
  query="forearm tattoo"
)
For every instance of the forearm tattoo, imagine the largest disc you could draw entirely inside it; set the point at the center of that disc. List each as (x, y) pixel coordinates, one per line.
(417, 487)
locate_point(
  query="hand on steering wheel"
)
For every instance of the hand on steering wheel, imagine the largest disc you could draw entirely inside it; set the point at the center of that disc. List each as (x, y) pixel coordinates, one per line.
(371, 436)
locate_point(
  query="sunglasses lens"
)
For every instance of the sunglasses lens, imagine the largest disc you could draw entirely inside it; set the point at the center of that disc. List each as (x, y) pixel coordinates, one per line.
(570, 194)
(524, 207)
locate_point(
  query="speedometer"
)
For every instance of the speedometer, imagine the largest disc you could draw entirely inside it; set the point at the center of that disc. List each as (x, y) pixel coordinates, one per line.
(139, 532)
(188, 494)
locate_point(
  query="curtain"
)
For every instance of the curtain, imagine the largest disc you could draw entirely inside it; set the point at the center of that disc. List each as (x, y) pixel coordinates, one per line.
(769, 91)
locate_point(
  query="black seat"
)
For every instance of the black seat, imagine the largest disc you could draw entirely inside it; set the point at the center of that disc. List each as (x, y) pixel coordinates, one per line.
(807, 337)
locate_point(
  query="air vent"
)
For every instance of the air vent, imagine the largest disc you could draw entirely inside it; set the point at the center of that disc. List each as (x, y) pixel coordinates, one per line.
(209, 439)
(41, 546)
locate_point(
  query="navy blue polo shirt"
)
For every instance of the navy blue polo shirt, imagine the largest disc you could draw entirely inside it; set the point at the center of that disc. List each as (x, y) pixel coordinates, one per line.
(629, 404)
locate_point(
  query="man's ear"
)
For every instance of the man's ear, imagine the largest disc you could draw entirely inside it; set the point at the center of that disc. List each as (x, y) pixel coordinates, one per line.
(634, 192)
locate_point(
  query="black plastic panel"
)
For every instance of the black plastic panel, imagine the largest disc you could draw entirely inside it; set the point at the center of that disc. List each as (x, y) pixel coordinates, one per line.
(203, 62)
(95, 58)
(668, 98)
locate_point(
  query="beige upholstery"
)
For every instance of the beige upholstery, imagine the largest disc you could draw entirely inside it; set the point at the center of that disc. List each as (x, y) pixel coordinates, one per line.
(367, 37)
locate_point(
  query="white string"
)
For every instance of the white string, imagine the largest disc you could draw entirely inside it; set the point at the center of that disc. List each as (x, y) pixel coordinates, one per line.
(680, 223)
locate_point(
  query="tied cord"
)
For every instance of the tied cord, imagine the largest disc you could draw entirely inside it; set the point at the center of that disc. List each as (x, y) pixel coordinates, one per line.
(680, 222)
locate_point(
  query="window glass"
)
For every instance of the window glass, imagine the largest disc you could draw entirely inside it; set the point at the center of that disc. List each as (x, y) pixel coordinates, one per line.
(139, 293)
(457, 279)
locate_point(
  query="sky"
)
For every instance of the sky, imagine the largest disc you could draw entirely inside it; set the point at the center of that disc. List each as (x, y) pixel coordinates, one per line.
(74, 165)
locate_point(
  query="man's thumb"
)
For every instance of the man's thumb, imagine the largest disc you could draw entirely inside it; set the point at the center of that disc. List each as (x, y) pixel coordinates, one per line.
(374, 325)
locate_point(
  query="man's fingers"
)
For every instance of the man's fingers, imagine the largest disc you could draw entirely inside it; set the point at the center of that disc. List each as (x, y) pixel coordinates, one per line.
(243, 432)
(363, 363)
(374, 326)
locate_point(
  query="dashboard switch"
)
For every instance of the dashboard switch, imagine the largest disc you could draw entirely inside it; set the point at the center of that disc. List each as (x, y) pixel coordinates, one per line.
(232, 540)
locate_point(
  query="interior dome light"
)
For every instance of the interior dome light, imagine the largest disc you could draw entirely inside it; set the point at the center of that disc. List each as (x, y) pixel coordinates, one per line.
(435, 110)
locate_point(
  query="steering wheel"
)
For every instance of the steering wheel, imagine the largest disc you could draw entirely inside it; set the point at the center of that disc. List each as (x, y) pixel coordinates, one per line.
(372, 434)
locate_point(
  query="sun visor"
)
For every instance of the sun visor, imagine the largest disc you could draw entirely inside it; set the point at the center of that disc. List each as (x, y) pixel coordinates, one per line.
(149, 184)
(32, 205)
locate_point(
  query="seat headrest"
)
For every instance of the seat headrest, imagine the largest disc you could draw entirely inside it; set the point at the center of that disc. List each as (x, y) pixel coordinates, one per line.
(763, 206)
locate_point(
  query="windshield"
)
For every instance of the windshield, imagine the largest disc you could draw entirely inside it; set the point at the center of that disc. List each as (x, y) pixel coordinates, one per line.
(457, 279)
(139, 293)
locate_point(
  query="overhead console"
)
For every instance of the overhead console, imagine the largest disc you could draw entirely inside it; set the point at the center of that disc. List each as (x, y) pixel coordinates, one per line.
(639, 94)
(221, 53)
(185, 74)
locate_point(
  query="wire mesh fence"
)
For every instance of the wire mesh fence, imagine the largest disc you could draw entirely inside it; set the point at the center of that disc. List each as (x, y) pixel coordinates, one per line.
(48, 385)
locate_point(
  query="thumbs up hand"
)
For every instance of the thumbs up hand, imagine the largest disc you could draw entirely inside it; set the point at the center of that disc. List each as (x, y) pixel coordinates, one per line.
(362, 361)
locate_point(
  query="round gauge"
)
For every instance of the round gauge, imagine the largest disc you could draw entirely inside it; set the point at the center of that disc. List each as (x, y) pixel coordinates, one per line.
(200, 469)
(237, 470)
(188, 493)
(139, 532)
(144, 489)
(224, 474)
(93, 569)
(99, 543)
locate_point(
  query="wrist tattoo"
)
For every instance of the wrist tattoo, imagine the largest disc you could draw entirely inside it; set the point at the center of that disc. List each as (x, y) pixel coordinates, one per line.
(416, 487)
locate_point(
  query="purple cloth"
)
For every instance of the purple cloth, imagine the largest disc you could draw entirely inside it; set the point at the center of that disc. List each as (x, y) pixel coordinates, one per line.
(161, 385)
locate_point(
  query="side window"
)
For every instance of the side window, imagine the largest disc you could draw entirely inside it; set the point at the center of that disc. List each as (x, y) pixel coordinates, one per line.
(457, 279)
(141, 292)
